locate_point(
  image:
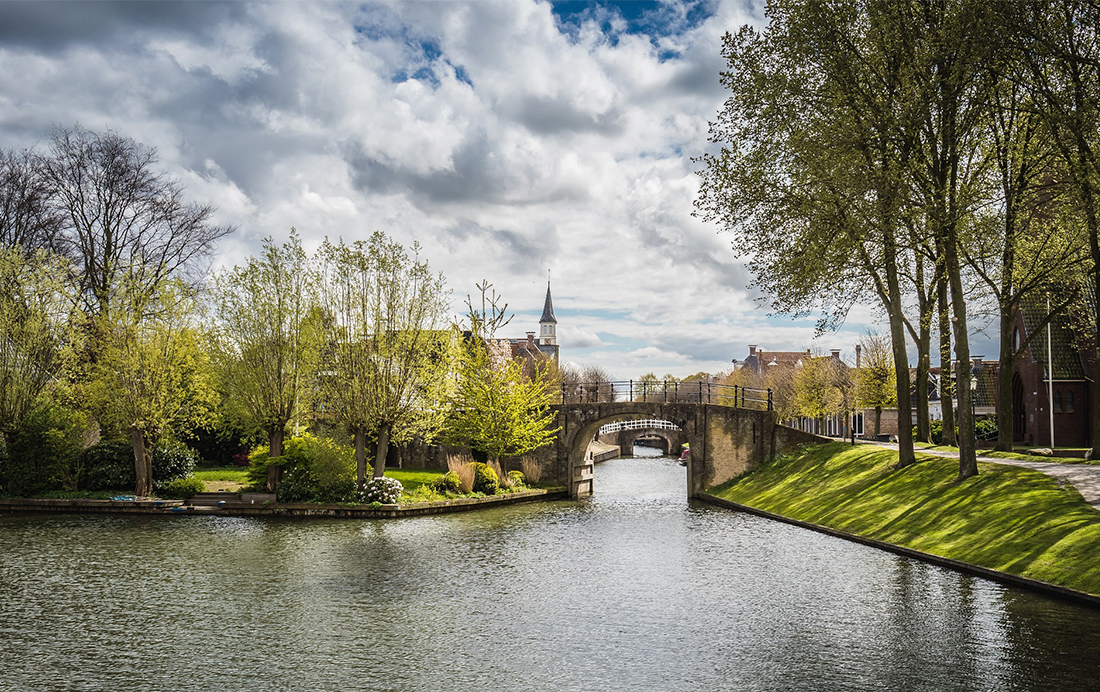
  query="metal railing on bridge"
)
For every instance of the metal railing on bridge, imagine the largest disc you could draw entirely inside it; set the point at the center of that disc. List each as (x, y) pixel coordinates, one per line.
(645, 424)
(668, 391)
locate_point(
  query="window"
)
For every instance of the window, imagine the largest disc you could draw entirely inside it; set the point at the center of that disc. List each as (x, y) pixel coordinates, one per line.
(1058, 401)
(1016, 339)
(1069, 402)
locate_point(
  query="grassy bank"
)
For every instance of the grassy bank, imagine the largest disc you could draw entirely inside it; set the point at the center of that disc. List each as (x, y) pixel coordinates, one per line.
(1010, 519)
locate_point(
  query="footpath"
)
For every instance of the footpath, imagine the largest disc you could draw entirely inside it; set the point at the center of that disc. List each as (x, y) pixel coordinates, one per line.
(1085, 478)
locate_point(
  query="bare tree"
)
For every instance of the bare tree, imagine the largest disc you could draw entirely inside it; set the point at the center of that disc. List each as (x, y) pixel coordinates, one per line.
(27, 218)
(123, 219)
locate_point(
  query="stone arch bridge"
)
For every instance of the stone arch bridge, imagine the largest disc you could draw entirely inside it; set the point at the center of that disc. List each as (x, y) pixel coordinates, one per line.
(725, 441)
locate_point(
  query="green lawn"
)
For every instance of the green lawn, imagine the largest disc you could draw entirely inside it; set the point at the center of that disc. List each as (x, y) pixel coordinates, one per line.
(1006, 518)
(413, 479)
(235, 474)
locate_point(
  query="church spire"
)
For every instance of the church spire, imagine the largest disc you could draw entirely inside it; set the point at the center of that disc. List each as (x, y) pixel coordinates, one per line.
(548, 324)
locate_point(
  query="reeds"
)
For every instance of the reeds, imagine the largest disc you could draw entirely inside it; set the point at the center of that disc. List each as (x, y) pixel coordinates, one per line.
(532, 469)
(462, 465)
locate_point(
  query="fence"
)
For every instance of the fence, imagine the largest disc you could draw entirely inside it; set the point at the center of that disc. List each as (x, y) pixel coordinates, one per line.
(666, 392)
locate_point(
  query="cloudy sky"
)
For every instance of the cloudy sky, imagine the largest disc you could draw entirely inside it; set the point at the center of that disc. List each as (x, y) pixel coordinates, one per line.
(509, 138)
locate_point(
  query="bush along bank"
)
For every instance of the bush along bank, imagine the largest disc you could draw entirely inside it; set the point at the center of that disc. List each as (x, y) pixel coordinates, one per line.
(1007, 519)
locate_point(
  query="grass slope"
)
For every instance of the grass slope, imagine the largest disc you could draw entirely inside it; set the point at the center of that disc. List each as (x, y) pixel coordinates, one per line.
(1009, 519)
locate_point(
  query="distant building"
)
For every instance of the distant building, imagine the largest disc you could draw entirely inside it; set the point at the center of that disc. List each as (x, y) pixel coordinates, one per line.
(545, 347)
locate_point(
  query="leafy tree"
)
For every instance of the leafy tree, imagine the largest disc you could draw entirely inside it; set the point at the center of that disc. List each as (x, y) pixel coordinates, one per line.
(1058, 59)
(152, 377)
(266, 340)
(496, 408)
(389, 356)
(875, 386)
(818, 135)
(36, 329)
(822, 387)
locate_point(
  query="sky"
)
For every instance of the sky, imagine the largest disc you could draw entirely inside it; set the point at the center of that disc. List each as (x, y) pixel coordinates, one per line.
(513, 140)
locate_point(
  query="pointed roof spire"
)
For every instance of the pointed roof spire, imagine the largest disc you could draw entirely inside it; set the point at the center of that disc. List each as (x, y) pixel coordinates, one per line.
(548, 306)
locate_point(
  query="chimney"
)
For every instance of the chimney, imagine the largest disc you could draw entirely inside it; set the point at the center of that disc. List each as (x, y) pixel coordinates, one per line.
(752, 350)
(531, 342)
(976, 363)
(858, 349)
(836, 353)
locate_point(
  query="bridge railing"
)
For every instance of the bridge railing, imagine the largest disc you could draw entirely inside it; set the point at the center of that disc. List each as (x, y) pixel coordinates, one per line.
(639, 424)
(667, 391)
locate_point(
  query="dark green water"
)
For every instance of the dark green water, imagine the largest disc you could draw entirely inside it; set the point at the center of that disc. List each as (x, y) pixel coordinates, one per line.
(633, 589)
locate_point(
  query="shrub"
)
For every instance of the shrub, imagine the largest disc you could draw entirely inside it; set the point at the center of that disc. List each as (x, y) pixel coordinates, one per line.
(109, 465)
(517, 478)
(382, 490)
(314, 470)
(171, 461)
(447, 483)
(181, 488)
(45, 452)
(486, 480)
(295, 486)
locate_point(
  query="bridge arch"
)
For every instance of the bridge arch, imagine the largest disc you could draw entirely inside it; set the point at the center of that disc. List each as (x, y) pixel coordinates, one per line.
(725, 441)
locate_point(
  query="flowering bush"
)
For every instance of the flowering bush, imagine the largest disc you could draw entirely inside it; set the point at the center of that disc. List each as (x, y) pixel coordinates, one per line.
(383, 490)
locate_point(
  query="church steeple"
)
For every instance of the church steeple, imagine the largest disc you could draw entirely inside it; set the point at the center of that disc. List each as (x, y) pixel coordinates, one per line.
(548, 323)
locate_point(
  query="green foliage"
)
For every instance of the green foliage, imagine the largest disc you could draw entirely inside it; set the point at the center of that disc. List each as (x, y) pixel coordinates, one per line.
(314, 470)
(518, 478)
(486, 480)
(109, 465)
(267, 336)
(37, 328)
(44, 452)
(181, 488)
(172, 461)
(447, 483)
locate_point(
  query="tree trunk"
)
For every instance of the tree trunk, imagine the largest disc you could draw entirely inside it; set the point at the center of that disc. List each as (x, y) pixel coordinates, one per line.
(947, 381)
(361, 458)
(968, 463)
(924, 424)
(143, 464)
(1006, 358)
(878, 420)
(275, 449)
(383, 450)
(901, 366)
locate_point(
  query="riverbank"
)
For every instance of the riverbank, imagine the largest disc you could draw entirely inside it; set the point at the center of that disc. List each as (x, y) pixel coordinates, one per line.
(1011, 520)
(274, 509)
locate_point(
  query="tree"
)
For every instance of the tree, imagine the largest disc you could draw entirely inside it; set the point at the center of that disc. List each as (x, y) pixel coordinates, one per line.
(390, 360)
(266, 340)
(127, 225)
(496, 408)
(27, 219)
(875, 385)
(822, 387)
(152, 377)
(818, 136)
(1058, 52)
(36, 328)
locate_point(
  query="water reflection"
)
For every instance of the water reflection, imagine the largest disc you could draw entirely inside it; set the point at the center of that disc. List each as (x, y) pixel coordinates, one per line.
(631, 589)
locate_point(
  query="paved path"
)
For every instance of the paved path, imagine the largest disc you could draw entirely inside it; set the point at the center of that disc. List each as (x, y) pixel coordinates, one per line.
(1084, 477)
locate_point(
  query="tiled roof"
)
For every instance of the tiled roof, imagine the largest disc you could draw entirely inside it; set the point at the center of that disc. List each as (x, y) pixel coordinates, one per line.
(1066, 358)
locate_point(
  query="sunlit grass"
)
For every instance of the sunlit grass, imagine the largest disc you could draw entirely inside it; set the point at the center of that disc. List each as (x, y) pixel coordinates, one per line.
(235, 474)
(1006, 518)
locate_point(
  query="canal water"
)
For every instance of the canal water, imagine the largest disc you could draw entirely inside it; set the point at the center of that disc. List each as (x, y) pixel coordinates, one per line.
(632, 589)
